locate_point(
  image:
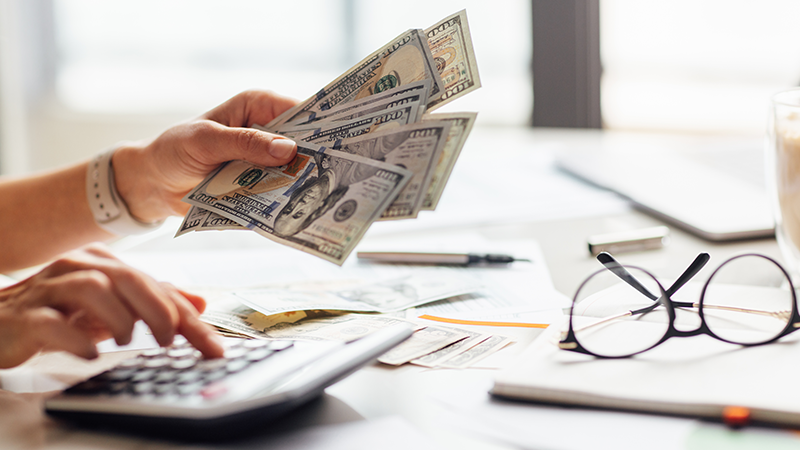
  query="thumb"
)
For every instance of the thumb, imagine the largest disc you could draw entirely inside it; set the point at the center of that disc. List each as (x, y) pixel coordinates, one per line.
(220, 143)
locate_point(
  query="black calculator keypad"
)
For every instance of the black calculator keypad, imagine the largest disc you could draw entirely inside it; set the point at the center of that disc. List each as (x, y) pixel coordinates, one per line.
(177, 370)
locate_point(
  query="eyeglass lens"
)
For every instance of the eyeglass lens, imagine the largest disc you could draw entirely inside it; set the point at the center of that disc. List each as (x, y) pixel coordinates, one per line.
(748, 300)
(613, 317)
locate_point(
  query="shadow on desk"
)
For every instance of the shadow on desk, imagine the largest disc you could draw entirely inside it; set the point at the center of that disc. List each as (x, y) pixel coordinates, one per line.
(23, 424)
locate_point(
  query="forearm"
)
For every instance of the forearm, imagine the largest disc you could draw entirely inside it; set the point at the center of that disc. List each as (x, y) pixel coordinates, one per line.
(44, 215)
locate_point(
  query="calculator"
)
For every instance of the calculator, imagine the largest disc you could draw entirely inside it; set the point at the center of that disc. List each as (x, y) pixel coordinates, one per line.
(174, 391)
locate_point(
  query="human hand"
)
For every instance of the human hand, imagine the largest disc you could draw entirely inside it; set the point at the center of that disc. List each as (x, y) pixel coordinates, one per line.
(87, 296)
(154, 177)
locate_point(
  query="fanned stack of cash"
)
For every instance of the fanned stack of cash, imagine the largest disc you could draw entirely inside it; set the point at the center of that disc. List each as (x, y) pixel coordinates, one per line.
(429, 346)
(369, 149)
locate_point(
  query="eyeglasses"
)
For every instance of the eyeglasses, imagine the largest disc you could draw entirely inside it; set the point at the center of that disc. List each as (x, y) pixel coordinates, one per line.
(621, 311)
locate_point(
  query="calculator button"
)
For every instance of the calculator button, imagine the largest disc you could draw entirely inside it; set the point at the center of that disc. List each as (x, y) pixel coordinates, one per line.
(214, 376)
(188, 377)
(208, 365)
(157, 363)
(182, 364)
(143, 375)
(235, 352)
(151, 352)
(117, 374)
(181, 352)
(166, 376)
(189, 389)
(213, 390)
(145, 387)
(259, 354)
(117, 387)
(237, 365)
(161, 389)
(255, 343)
(280, 345)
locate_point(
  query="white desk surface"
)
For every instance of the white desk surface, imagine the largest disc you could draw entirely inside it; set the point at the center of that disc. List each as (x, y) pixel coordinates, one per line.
(408, 391)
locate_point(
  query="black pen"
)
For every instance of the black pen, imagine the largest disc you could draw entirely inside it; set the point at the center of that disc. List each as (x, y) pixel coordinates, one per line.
(460, 259)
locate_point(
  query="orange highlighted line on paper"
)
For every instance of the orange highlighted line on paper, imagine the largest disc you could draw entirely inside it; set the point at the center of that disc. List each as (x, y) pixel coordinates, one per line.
(484, 323)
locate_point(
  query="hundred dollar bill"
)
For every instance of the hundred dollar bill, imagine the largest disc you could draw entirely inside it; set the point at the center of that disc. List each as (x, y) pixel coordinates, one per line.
(328, 133)
(415, 147)
(404, 60)
(421, 343)
(461, 125)
(451, 45)
(413, 92)
(199, 219)
(321, 203)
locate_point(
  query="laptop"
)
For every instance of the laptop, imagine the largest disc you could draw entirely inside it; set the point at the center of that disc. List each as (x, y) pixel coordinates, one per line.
(710, 186)
(173, 392)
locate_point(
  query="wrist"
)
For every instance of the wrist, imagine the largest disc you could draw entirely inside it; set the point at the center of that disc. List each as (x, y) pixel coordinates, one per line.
(110, 207)
(135, 185)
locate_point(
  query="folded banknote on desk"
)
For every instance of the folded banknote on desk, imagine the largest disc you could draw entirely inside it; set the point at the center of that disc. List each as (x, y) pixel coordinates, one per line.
(369, 149)
(429, 346)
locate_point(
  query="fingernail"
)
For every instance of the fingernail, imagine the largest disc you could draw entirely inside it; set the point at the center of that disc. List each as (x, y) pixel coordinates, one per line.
(281, 148)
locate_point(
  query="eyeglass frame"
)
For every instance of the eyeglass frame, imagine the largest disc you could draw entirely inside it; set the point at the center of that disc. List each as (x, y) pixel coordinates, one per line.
(569, 342)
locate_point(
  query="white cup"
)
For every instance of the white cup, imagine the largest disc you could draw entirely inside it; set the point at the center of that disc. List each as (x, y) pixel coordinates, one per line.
(783, 174)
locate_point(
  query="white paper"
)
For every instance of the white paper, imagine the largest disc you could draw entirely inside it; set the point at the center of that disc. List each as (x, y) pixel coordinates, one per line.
(535, 427)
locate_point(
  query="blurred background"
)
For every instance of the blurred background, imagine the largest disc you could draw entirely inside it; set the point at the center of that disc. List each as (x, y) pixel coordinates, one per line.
(77, 76)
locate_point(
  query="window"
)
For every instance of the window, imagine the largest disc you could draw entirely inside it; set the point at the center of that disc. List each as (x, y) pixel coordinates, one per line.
(126, 70)
(691, 65)
(153, 56)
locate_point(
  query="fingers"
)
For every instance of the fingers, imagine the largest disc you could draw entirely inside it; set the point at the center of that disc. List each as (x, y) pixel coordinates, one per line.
(198, 302)
(87, 295)
(199, 334)
(117, 295)
(53, 332)
(118, 287)
(88, 292)
(215, 143)
(250, 108)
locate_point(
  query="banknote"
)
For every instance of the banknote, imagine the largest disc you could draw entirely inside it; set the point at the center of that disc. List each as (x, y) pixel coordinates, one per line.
(404, 60)
(413, 92)
(477, 353)
(442, 355)
(306, 325)
(394, 294)
(421, 343)
(330, 133)
(451, 45)
(321, 203)
(461, 125)
(202, 219)
(415, 147)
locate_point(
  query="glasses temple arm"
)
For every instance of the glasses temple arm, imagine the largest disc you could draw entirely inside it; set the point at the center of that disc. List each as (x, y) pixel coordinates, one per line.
(698, 263)
(614, 266)
(617, 269)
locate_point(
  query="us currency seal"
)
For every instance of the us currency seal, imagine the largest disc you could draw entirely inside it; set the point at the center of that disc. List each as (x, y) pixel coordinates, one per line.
(386, 82)
(345, 211)
(440, 63)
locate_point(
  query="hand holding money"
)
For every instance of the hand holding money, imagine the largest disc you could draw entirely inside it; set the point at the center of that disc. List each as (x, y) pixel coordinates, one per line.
(154, 177)
(375, 111)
